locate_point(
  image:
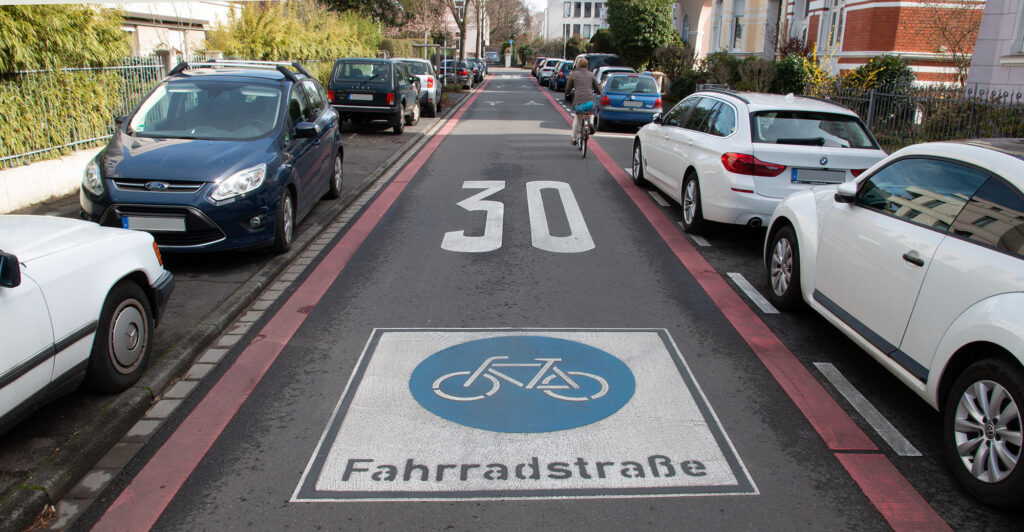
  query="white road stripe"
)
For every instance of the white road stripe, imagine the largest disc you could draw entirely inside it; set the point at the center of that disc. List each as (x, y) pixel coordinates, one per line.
(752, 293)
(657, 198)
(868, 411)
(629, 171)
(697, 239)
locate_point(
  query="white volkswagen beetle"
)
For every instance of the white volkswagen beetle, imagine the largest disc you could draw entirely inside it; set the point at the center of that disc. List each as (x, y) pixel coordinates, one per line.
(78, 302)
(920, 261)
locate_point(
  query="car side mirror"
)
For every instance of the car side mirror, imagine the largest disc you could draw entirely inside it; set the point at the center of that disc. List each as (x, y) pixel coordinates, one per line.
(656, 118)
(306, 130)
(119, 120)
(847, 192)
(10, 270)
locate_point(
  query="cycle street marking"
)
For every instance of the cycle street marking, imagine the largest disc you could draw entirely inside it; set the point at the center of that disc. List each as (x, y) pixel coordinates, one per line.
(487, 414)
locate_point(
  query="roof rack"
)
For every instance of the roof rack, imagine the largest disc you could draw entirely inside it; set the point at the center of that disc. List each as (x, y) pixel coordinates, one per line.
(280, 66)
(728, 91)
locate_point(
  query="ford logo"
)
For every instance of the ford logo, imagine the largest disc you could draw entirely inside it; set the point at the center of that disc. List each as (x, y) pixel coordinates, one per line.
(157, 185)
(823, 161)
(522, 384)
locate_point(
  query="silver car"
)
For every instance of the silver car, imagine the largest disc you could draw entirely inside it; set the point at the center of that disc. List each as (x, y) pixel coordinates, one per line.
(431, 88)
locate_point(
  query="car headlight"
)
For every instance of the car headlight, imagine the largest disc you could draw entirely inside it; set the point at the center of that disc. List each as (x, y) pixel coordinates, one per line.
(92, 181)
(240, 182)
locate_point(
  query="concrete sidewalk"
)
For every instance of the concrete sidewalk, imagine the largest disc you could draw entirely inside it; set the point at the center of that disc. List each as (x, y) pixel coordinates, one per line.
(43, 458)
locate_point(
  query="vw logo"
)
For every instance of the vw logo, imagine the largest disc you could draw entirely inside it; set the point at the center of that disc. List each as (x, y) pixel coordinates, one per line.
(823, 161)
(522, 384)
(157, 185)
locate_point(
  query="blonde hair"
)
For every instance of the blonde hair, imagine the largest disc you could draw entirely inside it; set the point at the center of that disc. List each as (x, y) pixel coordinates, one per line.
(582, 63)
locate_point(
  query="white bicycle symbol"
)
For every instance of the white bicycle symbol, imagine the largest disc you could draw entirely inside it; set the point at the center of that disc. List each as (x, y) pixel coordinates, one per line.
(542, 380)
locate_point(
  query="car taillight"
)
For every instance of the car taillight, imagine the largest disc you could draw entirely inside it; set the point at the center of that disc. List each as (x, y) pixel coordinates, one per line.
(463, 73)
(606, 100)
(330, 96)
(741, 163)
(857, 173)
(391, 98)
(657, 104)
(430, 83)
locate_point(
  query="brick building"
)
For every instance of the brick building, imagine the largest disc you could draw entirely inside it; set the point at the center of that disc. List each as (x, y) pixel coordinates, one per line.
(851, 32)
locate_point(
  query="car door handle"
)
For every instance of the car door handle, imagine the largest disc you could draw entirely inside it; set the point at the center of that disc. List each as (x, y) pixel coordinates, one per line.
(912, 258)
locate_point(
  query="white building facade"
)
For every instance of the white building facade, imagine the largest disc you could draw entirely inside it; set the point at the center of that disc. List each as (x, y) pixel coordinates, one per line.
(567, 19)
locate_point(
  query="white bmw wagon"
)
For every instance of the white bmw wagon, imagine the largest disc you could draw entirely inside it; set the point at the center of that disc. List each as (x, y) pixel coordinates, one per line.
(920, 261)
(730, 157)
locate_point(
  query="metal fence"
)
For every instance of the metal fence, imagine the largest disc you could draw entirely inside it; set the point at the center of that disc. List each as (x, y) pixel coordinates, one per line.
(901, 118)
(50, 112)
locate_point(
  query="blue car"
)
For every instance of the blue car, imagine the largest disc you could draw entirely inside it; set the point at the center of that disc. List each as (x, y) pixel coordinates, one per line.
(627, 99)
(220, 155)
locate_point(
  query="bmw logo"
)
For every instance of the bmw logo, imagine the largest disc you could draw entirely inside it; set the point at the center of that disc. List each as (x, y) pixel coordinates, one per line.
(823, 161)
(157, 185)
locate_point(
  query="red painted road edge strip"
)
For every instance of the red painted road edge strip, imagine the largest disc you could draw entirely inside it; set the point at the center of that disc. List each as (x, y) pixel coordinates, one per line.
(887, 489)
(147, 496)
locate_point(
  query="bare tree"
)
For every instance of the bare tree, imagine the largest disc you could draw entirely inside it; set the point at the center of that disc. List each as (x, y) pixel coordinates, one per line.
(459, 10)
(953, 25)
(510, 19)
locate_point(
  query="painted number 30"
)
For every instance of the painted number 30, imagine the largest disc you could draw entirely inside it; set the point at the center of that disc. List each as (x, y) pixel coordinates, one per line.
(577, 241)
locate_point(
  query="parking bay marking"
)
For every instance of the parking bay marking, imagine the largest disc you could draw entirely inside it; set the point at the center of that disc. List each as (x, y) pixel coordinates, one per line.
(657, 198)
(697, 239)
(882, 426)
(752, 293)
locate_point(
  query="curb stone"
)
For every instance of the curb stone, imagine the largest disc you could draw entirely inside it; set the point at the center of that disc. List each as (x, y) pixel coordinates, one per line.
(58, 474)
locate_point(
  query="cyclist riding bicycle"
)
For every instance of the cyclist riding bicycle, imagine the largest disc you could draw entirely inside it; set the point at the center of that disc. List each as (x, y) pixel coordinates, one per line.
(582, 80)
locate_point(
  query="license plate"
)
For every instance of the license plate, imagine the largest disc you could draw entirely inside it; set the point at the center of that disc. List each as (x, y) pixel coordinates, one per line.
(154, 223)
(811, 175)
(361, 97)
(633, 104)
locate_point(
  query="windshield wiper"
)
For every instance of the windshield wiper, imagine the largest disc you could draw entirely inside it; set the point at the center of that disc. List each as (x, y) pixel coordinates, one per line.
(369, 79)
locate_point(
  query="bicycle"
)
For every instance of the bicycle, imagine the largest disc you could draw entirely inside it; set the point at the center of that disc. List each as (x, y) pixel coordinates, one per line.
(584, 132)
(545, 383)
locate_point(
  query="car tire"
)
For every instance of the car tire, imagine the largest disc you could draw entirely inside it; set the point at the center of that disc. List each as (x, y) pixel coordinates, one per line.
(414, 117)
(693, 216)
(437, 105)
(783, 270)
(337, 177)
(398, 126)
(120, 349)
(599, 124)
(638, 166)
(284, 224)
(1002, 384)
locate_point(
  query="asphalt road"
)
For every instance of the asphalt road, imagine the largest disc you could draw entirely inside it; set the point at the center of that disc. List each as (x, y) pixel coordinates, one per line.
(498, 256)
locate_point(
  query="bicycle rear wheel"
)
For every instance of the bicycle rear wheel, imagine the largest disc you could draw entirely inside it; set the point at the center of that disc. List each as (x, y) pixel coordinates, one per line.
(583, 145)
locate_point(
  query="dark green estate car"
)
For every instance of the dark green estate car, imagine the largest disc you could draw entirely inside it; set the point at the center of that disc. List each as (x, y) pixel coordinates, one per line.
(366, 89)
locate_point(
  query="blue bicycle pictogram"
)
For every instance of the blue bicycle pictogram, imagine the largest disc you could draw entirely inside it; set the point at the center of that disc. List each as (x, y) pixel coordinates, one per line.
(544, 380)
(522, 384)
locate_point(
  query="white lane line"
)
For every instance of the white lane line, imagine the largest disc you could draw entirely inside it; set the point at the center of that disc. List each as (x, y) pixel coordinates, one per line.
(867, 411)
(752, 293)
(629, 171)
(697, 239)
(657, 198)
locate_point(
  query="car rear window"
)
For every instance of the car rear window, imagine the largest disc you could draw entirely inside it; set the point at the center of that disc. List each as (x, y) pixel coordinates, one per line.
(415, 67)
(631, 84)
(362, 72)
(207, 109)
(811, 129)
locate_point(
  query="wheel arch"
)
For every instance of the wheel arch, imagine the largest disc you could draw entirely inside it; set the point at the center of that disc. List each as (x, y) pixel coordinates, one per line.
(963, 359)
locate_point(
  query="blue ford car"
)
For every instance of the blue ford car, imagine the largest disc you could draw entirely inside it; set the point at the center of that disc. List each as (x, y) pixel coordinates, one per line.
(220, 155)
(627, 99)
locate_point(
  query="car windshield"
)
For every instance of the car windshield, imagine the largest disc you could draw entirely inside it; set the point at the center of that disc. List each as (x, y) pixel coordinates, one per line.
(811, 129)
(362, 72)
(415, 67)
(632, 84)
(208, 109)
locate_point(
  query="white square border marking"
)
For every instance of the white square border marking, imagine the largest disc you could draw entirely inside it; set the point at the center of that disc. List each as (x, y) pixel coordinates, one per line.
(307, 491)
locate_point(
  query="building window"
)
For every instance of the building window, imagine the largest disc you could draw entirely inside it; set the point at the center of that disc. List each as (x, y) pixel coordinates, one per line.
(579, 9)
(586, 10)
(737, 23)
(575, 29)
(565, 31)
(566, 9)
(586, 31)
(834, 17)
(597, 10)
(685, 34)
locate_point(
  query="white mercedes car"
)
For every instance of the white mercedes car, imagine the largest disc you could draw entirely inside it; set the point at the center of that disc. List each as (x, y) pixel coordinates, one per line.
(920, 261)
(78, 303)
(730, 157)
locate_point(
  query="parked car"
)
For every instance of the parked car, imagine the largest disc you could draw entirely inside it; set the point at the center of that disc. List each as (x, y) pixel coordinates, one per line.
(544, 72)
(222, 155)
(602, 73)
(367, 89)
(78, 304)
(595, 61)
(493, 58)
(460, 71)
(559, 75)
(731, 157)
(537, 65)
(483, 65)
(431, 88)
(478, 69)
(919, 262)
(626, 99)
